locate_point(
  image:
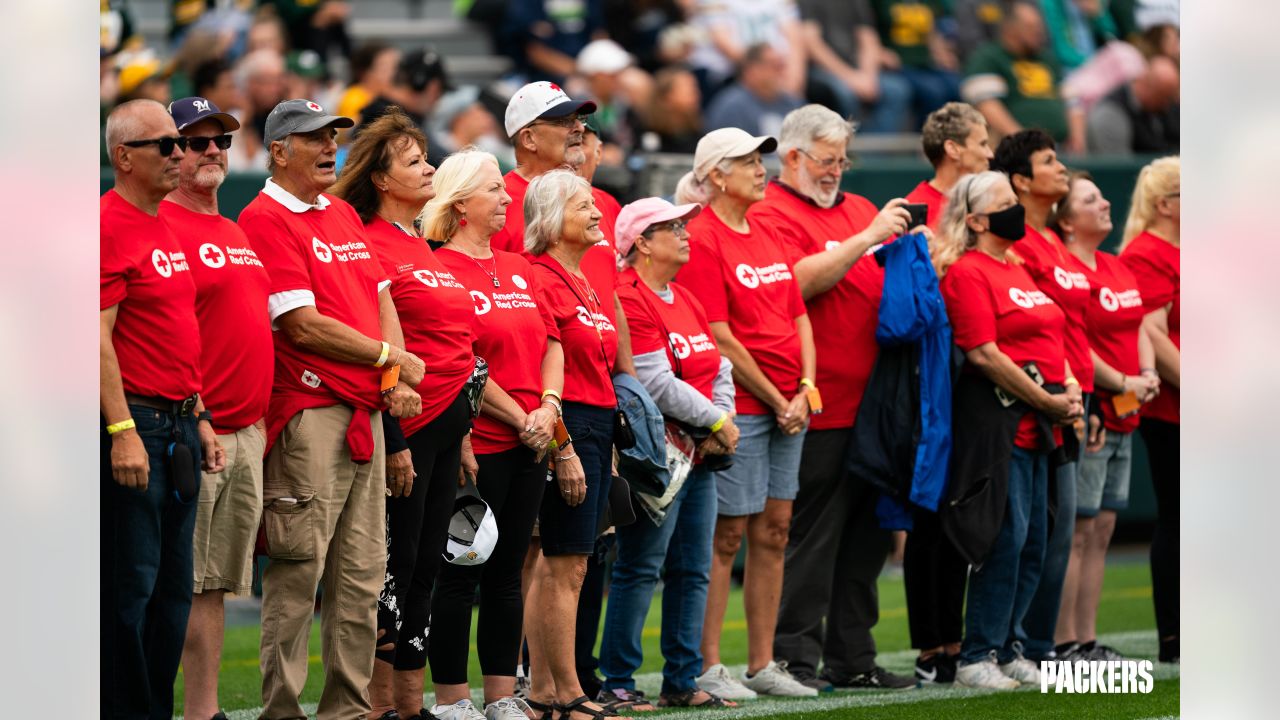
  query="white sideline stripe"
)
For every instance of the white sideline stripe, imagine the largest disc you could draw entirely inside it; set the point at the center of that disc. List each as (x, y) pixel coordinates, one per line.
(1140, 643)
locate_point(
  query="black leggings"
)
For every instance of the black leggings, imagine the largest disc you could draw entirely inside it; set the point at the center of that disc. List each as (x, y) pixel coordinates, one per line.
(417, 526)
(934, 574)
(512, 483)
(1162, 441)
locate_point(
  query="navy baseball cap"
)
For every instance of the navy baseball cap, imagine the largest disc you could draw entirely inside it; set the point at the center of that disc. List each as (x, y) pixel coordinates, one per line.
(191, 110)
(300, 116)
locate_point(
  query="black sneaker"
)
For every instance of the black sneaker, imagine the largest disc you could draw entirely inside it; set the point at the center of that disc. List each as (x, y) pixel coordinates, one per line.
(875, 679)
(1169, 650)
(808, 679)
(937, 670)
(1104, 652)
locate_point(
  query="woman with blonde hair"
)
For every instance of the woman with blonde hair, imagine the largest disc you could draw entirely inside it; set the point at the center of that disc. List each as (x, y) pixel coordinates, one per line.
(1009, 331)
(1151, 250)
(511, 435)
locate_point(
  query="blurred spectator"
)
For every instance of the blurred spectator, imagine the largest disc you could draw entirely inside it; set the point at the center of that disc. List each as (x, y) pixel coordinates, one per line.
(142, 76)
(116, 31)
(914, 49)
(845, 52)
(419, 83)
(1135, 17)
(213, 80)
(261, 79)
(733, 26)
(1014, 82)
(315, 24)
(461, 119)
(1163, 40)
(198, 47)
(305, 77)
(373, 68)
(611, 80)
(640, 26)
(1077, 28)
(543, 37)
(758, 101)
(673, 117)
(226, 20)
(977, 22)
(1141, 117)
(267, 33)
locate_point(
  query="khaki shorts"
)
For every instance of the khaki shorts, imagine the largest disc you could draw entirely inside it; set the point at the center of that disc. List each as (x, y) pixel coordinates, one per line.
(227, 519)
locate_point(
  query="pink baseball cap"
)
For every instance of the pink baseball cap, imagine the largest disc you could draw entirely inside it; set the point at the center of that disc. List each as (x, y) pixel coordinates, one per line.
(636, 217)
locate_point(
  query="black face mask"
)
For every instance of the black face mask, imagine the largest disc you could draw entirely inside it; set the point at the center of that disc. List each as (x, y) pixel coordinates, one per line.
(1010, 223)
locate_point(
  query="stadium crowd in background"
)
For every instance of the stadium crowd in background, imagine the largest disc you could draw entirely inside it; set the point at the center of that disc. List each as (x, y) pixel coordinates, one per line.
(487, 381)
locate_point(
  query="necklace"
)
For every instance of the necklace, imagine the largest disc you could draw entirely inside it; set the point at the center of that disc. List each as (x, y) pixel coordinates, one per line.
(493, 276)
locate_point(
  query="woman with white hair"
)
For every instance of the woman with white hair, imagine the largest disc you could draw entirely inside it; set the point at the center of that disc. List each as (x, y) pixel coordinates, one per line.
(734, 264)
(510, 437)
(1151, 248)
(1010, 333)
(561, 225)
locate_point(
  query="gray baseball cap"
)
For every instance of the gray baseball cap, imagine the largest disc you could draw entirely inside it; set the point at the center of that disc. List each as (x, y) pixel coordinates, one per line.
(300, 116)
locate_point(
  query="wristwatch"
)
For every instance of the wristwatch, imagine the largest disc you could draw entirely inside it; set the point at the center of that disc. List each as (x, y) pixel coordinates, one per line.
(206, 415)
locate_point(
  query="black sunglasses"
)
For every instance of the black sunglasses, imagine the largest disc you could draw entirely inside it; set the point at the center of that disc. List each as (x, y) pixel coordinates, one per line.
(200, 144)
(165, 144)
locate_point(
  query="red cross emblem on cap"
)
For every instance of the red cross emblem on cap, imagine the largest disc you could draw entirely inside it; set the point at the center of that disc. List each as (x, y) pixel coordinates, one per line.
(554, 86)
(314, 106)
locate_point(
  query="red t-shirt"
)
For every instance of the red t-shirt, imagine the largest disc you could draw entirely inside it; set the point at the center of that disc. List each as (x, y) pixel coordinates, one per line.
(746, 281)
(510, 331)
(144, 270)
(1061, 276)
(435, 315)
(585, 315)
(931, 196)
(231, 306)
(680, 328)
(845, 317)
(1157, 264)
(992, 301)
(323, 252)
(1113, 321)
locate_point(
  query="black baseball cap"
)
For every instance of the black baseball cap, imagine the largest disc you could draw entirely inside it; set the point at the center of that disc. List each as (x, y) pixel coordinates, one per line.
(420, 67)
(191, 110)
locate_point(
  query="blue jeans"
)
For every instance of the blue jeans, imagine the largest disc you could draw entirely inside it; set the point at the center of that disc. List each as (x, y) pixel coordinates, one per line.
(1000, 592)
(1042, 616)
(146, 580)
(684, 542)
(930, 89)
(887, 115)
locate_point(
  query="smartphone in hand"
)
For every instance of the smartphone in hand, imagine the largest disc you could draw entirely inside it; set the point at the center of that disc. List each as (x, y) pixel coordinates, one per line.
(919, 213)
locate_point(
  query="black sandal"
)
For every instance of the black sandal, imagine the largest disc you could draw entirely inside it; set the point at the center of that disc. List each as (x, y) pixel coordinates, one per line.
(566, 711)
(621, 700)
(546, 711)
(685, 699)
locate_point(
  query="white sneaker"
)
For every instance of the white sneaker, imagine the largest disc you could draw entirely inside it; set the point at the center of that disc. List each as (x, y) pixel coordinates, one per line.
(984, 674)
(773, 679)
(1022, 670)
(511, 708)
(717, 681)
(461, 710)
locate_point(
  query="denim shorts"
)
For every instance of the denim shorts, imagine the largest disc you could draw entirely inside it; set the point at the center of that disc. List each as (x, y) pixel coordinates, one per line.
(767, 465)
(1102, 480)
(568, 530)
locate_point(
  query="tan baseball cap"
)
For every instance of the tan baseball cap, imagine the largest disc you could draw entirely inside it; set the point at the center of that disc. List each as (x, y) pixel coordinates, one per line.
(727, 143)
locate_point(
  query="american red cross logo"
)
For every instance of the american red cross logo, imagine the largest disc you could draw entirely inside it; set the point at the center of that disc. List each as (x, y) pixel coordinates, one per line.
(212, 255)
(554, 86)
(321, 250)
(314, 107)
(161, 263)
(680, 346)
(482, 303)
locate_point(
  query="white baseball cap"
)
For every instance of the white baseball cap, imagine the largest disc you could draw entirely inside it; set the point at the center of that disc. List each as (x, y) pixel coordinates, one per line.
(727, 143)
(542, 99)
(603, 56)
(473, 531)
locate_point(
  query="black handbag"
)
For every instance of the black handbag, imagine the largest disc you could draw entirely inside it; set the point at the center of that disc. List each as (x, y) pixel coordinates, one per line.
(624, 438)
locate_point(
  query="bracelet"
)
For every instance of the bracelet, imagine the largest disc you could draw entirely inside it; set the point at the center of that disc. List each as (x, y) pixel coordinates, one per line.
(724, 417)
(1144, 371)
(806, 382)
(1070, 381)
(205, 415)
(126, 424)
(554, 404)
(382, 359)
(570, 456)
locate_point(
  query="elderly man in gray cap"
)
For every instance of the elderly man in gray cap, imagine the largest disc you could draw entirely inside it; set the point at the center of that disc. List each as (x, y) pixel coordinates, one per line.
(340, 359)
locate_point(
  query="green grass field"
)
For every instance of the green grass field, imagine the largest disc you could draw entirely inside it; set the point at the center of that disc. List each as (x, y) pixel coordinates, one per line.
(1126, 621)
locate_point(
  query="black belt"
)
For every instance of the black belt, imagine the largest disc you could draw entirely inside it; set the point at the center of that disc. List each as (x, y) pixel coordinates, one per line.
(179, 408)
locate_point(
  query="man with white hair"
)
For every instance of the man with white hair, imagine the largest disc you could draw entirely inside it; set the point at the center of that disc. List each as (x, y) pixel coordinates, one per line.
(231, 302)
(260, 76)
(836, 547)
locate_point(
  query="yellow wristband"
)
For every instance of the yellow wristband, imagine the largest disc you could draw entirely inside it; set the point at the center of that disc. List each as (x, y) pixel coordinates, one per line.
(724, 417)
(553, 393)
(126, 424)
(807, 382)
(382, 359)
(1070, 381)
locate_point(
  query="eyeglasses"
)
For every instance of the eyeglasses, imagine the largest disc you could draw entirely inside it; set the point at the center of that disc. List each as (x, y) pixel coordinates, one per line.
(675, 226)
(567, 122)
(828, 163)
(1173, 195)
(200, 144)
(164, 144)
